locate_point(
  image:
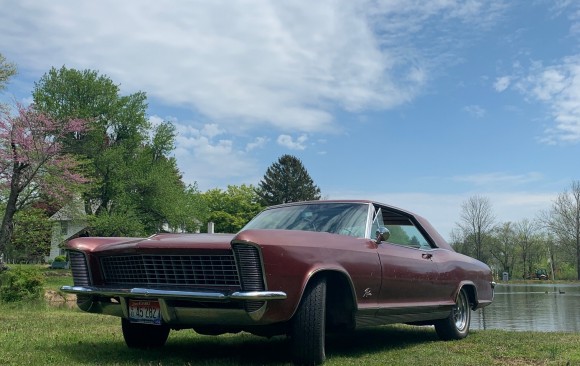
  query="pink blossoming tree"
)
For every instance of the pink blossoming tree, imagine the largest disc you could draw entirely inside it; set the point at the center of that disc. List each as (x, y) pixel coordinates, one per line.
(32, 162)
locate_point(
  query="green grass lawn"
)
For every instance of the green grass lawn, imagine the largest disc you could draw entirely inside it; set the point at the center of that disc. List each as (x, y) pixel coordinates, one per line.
(45, 335)
(40, 334)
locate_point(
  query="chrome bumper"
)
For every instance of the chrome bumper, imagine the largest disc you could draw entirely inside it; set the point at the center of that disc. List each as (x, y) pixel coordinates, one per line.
(175, 314)
(177, 295)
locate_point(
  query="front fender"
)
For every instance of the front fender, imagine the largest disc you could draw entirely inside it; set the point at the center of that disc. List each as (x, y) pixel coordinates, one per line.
(291, 259)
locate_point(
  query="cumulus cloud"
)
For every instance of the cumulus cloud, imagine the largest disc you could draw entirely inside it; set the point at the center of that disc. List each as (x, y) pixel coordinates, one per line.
(283, 69)
(558, 87)
(246, 64)
(288, 142)
(502, 83)
(258, 142)
(207, 156)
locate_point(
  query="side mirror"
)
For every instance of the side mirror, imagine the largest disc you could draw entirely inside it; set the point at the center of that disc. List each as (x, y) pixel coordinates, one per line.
(383, 234)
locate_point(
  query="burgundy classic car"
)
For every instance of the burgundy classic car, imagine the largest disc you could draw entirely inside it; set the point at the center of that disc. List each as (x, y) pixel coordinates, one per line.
(299, 269)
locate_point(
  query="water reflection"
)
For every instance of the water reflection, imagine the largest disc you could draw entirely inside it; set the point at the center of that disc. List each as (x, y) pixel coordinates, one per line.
(535, 307)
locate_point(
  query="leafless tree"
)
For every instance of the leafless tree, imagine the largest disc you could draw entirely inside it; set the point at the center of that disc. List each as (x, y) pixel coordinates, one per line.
(477, 221)
(526, 241)
(563, 221)
(503, 247)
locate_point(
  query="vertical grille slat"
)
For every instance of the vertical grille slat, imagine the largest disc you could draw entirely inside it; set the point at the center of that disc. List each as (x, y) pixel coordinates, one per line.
(170, 270)
(79, 268)
(250, 269)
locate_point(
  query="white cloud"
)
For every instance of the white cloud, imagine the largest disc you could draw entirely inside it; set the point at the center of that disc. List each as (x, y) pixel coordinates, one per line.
(288, 142)
(475, 110)
(558, 87)
(286, 65)
(502, 83)
(571, 9)
(211, 162)
(211, 130)
(258, 143)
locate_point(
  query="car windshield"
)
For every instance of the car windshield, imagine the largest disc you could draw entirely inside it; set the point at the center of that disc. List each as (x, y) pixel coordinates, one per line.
(337, 218)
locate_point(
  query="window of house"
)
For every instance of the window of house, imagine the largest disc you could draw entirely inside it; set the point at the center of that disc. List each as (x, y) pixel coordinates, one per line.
(64, 228)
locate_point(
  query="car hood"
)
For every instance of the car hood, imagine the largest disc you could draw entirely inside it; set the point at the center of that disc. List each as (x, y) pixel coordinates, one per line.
(159, 241)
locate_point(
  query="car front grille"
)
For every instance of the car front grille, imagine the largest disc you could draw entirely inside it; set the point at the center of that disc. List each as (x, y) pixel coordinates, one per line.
(217, 270)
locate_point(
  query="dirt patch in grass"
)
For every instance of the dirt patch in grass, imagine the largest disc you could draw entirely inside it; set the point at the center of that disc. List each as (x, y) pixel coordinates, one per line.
(57, 298)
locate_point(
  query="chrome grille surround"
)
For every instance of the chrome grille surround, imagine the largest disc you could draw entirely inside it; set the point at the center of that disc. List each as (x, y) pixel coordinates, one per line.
(249, 262)
(79, 268)
(215, 270)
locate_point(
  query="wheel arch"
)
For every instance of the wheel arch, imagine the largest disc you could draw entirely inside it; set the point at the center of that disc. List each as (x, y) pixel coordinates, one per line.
(471, 291)
(340, 294)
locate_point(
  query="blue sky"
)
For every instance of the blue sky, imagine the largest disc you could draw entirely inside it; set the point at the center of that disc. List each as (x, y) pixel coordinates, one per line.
(420, 104)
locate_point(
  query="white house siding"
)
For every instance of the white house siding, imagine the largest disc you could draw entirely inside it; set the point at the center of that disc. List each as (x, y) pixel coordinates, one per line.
(58, 237)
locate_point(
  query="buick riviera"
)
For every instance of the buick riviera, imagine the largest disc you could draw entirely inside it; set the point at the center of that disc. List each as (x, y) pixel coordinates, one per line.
(300, 269)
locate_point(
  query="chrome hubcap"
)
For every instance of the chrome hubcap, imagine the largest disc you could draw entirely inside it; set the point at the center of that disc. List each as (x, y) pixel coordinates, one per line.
(460, 313)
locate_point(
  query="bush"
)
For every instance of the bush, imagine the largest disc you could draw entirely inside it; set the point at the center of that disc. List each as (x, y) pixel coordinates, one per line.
(21, 284)
(60, 258)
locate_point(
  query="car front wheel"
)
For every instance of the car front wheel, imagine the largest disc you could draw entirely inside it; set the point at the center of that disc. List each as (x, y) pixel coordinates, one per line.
(456, 326)
(307, 331)
(144, 335)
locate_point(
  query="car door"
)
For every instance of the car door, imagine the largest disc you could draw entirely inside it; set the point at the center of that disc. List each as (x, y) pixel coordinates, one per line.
(409, 273)
(409, 276)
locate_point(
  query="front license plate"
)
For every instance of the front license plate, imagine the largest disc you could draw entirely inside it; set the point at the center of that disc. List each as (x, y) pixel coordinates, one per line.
(144, 311)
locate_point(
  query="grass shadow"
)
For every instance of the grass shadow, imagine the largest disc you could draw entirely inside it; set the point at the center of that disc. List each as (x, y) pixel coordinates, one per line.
(187, 348)
(377, 339)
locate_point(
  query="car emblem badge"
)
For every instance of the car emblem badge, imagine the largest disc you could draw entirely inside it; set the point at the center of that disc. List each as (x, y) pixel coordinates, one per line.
(367, 293)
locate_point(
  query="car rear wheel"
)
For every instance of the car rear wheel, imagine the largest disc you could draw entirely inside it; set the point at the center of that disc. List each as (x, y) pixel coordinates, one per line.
(308, 325)
(144, 335)
(456, 326)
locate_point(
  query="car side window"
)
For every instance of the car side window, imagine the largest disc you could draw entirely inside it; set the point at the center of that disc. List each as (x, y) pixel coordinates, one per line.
(407, 235)
(377, 222)
(402, 229)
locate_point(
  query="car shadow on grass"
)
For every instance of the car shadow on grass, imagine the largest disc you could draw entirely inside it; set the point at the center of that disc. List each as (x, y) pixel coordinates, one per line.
(244, 349)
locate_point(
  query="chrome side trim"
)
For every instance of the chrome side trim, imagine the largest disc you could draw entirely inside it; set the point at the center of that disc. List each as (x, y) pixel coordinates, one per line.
(174, 294)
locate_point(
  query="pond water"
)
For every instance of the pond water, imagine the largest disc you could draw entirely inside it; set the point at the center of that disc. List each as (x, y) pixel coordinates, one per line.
(540, 307)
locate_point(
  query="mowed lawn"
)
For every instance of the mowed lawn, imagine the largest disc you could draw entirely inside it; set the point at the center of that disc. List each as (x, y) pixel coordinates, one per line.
(42, 334)
(45, 335)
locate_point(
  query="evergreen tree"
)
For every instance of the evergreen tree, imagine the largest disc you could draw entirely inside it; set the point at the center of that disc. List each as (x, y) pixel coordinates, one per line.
(287, 181)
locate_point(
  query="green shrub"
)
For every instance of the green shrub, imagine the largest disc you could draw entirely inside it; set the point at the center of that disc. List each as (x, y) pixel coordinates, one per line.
(60, 258)
(21, 284)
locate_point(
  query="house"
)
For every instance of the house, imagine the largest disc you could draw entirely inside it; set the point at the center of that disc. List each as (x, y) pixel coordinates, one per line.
(68, 223)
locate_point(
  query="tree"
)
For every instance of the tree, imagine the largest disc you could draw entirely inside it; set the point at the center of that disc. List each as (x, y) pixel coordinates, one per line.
(32, 234)
(563, 220)
(503, 247)
(133, 176)
(527, 243)
(231, 209)
(7, 70)
(32, 162)
(118, 126)
(287, 181)
(162, 200)
(477, 221)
